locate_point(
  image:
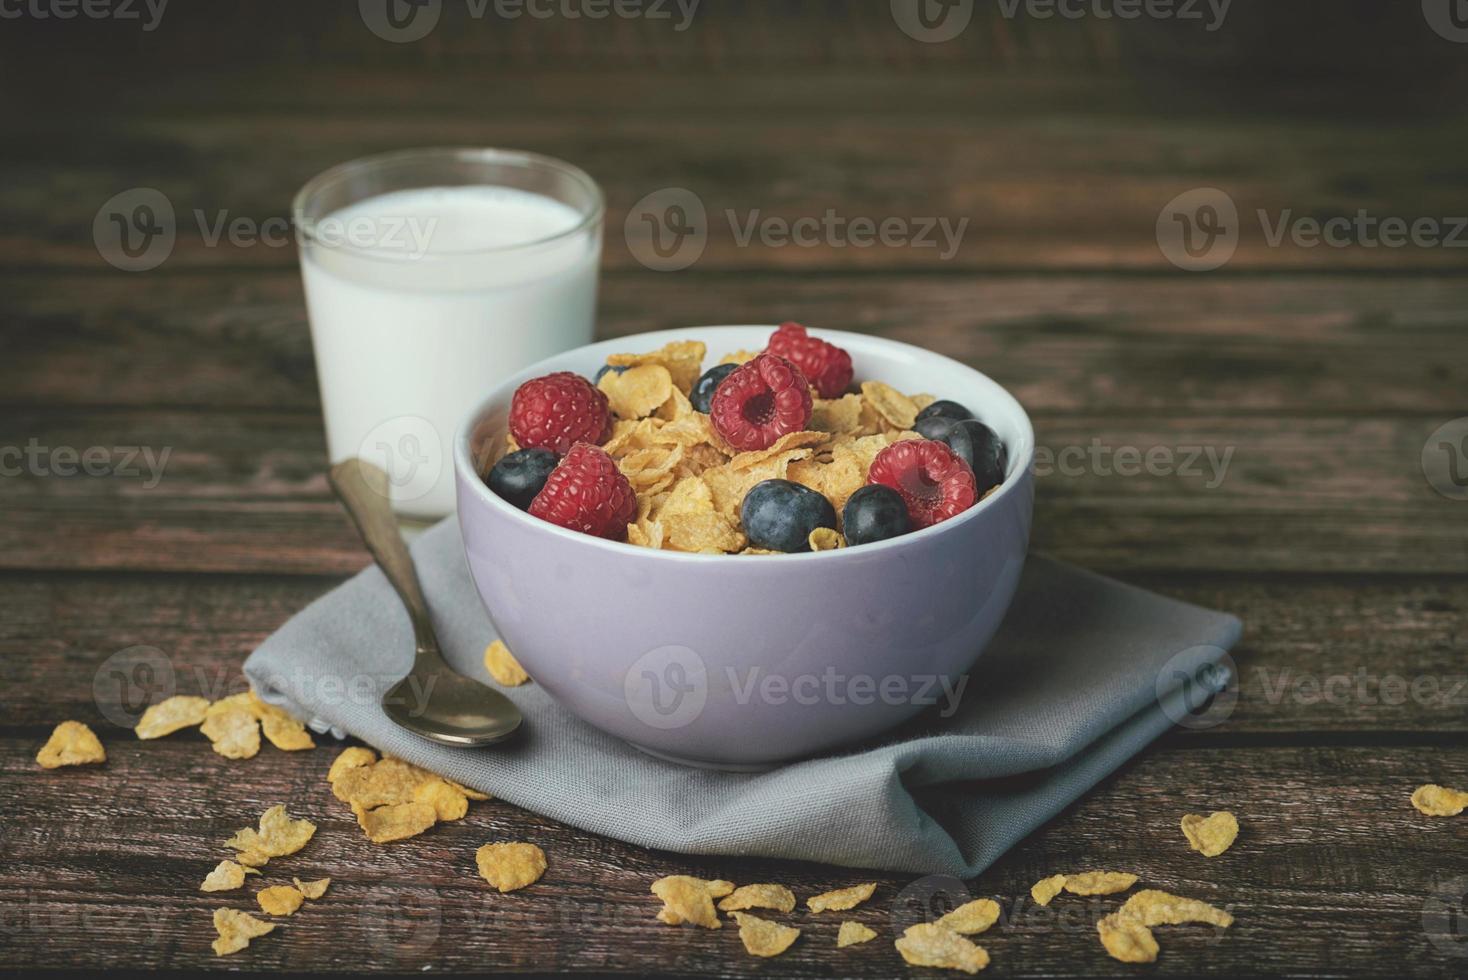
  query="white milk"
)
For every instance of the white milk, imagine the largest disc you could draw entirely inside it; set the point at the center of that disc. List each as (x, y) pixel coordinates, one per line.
(452, 297)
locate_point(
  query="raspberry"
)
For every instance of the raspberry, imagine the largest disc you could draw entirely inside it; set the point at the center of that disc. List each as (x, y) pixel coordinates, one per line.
(587, 493)
(557, 411)
(760, 401)
(933, 481)
(827, 366)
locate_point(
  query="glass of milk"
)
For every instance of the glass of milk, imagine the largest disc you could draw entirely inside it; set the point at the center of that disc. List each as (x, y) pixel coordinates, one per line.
(431, 275)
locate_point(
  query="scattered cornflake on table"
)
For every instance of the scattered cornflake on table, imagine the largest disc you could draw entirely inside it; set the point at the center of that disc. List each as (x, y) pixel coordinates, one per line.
(1126, 939)
(170, 715)
(1099, 882)
(1045, 890)
(841, 899)
(226, 877)
(510, 866)
(691, 900)
(236, 929)
(279, 835)
(776, 897)
(282, 728)
(853, 933)
(1211, 835)
(1439, 801)
(71, 744)
(762, 937)
(929, 944)
(312, 889)
(1152, 907)
(280, 899)
(230, 724)
(971, 918)
(503, 666)
(392, 799)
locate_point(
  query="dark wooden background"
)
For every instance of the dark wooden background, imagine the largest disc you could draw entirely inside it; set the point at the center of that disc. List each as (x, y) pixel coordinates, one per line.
(1323, 369)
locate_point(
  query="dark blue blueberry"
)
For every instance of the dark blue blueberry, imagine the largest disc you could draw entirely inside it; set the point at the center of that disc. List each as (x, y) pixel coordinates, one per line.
(703, 391)
(601, 371)
(874, 513)
(933, 427)
(519, 476)
(779, 515)
(944, 409)
(978, 446)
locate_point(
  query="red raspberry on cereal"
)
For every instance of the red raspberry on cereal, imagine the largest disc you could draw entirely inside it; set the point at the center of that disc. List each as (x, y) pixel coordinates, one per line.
(556, 411)
(587, 493)
(932, 480)
(827, 366)
(760, 401)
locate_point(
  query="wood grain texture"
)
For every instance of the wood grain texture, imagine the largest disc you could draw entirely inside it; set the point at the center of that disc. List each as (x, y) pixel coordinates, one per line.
(1333, 869)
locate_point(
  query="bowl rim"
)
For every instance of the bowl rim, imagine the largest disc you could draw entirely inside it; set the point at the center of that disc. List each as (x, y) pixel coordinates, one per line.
(466, 472)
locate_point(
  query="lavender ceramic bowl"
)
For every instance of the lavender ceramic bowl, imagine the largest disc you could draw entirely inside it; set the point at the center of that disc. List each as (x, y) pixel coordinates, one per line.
(747, 661)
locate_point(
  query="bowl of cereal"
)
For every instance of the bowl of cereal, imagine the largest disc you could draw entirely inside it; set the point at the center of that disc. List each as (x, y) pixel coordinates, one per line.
(738, 546)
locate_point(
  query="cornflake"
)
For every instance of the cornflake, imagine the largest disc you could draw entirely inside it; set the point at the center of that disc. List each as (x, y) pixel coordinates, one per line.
(971, 918)
(236, 929)
(278, 836)
(396, 821)
(312, 889)
(170, 715)
(689, 899)
(503, 666)
(510, 866)
(683, 360)
(1152, 907)
(71, 744)
(1099, 882)
(1045, 890)
(279, 899)
(1126, 939)
(1439, 801)
(776, 897)
(392, 799)
(929, 944)
(762, 937)
(852, 933)
(825, 539)
(226, 877)
(232, 726)
(280, 726)
(638, 391)
(1213, 835)
(841, 899)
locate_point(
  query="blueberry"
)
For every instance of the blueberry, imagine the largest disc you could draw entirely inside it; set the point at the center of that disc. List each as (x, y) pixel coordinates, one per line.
(874, 513)
(703, 391)
(779, 515)
(601, 371)
(933, 427)
(519, 476)
(978, 446)
(944, 409)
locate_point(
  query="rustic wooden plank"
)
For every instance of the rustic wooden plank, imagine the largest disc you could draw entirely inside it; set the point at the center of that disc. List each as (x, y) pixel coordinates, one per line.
(1320, 654)
(1063, 190)
(1330, 875)
(247, 493)
(1341, 345)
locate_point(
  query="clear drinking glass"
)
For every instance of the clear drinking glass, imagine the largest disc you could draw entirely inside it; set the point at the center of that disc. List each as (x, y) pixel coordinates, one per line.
(431, 275)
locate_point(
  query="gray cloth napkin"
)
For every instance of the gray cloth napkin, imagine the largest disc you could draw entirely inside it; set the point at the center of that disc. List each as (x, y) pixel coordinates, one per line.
(1083, 674)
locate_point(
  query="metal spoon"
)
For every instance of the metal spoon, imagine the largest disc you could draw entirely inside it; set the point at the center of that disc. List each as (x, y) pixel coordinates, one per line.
(433, 700)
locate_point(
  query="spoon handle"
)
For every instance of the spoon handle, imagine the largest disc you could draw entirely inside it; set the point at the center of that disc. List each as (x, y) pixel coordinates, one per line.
(363, 489)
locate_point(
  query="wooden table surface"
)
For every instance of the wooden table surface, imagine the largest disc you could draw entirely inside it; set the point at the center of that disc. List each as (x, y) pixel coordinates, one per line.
(1323, 370)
